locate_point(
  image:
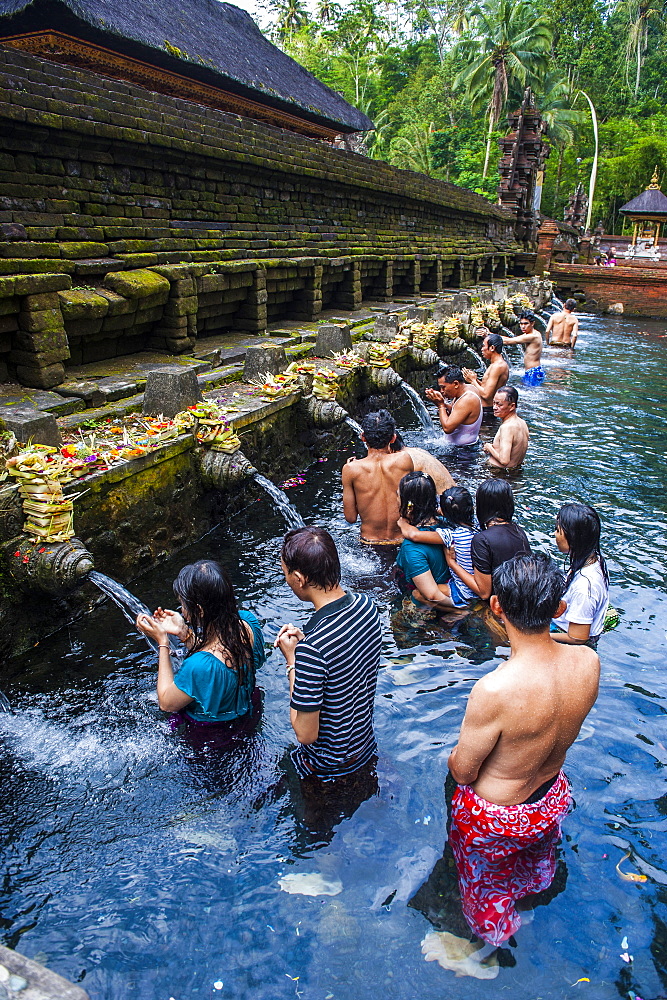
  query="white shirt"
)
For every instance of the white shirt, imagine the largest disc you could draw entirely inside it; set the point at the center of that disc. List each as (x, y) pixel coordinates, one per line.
(587, 600)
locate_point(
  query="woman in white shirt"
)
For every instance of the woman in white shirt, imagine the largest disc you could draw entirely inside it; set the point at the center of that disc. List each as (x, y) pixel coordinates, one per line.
(587, 583)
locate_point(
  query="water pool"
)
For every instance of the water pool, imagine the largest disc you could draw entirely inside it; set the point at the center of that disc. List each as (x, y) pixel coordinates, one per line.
(140, 869)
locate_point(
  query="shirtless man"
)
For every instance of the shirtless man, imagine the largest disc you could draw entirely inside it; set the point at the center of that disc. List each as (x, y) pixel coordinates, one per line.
(423, 461)
(563, 327)
(532, 355)
(461, 419)
(495, 375)
(511, 441)
(370, 483)
(520, 720)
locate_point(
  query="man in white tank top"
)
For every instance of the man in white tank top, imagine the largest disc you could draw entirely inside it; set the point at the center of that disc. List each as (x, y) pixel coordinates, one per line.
(460, 419)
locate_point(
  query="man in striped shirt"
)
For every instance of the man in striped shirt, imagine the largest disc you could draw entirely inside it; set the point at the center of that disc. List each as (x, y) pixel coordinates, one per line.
(332, 665)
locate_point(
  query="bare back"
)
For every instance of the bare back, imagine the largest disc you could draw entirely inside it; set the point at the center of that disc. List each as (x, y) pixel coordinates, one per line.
(540, 702)
(561, 329)
(369, 490)
(423, 461)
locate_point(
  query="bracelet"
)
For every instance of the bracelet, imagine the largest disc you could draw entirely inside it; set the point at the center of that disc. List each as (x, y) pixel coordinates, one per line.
(163, 645)
(288, 667)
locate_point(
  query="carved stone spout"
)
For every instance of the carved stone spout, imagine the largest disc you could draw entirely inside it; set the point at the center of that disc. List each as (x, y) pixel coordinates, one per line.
(11, 513)
(452, 345)
(382, 380)
(52, 567)
(223, 471)
(423, 358)
(322, 413)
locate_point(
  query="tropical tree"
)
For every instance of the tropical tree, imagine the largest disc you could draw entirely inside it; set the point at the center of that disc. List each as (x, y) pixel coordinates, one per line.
(288, 16)
(508, 43)
(555, 100)
(638, 14)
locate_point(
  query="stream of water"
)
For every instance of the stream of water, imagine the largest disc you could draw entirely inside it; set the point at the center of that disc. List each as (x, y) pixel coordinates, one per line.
(142, 867)
(418, 406)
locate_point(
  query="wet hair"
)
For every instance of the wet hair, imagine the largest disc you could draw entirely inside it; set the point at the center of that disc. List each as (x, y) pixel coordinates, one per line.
(494, 499)
(450, 373)
(529, 590)
(418, 498)
(457, 506)
(581, 526)
(570, 304)
(379, 428)
(205, 591)
(398, 444)
(495, 341)
(527, 314)
(509, 392)
(312, 552)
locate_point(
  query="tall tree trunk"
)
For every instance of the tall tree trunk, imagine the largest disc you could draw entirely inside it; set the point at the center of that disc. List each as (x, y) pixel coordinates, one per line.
(488, 146)
(639, 65)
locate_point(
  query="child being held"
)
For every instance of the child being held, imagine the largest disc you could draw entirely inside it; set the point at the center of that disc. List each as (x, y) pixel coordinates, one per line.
(456, 534)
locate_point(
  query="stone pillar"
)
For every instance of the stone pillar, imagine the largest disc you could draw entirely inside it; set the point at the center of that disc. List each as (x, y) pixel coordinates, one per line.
(40, 346)
(384, 284)
(546, 237)
(415, 275)
(177, 329)
(349, 291)
(252, 314)
(307, 303)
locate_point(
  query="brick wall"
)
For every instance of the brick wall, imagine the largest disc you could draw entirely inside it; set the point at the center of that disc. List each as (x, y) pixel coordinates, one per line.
(642, 290)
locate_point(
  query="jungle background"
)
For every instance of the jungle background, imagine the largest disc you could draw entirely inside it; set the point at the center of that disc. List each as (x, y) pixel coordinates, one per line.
(439, 76)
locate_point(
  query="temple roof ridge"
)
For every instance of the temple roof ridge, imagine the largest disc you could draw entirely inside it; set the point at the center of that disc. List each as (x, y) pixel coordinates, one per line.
(650, 202)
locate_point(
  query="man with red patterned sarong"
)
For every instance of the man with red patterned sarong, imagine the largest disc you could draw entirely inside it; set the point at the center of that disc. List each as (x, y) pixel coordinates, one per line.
(520, 720)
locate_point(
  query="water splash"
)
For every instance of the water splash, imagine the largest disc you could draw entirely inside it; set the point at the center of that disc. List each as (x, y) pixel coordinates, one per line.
(130, 605)
(4, 703)
(556, 301)
(478, 358)
(354, 426)
(292, 517)
(418, 406)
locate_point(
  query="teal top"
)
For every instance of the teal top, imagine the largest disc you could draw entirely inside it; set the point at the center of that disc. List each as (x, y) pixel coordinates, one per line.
(214, 687)
(417, 557)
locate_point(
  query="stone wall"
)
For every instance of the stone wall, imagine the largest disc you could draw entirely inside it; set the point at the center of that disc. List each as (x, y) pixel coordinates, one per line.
(164, 221)
(641, 290)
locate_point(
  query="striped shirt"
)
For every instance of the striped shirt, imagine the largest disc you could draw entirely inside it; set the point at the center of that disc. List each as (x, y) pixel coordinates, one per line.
(462, 537)
(336, 668)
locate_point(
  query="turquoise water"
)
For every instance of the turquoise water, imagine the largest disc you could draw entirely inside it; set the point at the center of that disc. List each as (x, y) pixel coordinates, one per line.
(142, 869)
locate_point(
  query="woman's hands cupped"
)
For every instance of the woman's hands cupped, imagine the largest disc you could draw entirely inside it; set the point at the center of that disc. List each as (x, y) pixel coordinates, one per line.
(171, 621)
(152, 628)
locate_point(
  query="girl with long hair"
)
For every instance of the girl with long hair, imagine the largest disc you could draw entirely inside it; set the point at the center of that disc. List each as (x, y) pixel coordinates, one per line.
(500, 537)
(216, 683)
(578, 530)
(423, 564)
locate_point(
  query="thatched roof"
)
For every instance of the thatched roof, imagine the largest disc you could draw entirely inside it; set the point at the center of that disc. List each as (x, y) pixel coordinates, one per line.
(214, 42)
(650, 202)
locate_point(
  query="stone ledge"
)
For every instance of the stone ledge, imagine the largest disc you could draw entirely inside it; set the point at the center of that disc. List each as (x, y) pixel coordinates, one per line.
(43, 984)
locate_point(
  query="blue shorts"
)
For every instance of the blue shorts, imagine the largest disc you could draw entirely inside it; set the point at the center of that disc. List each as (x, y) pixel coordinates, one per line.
(459, 600)
(534, 376)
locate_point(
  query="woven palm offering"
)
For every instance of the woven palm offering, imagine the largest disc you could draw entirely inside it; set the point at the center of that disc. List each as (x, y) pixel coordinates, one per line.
(349, 359)
(49, 514)
(213, 429)
(325, 384)
(277, 386)
(378, 356)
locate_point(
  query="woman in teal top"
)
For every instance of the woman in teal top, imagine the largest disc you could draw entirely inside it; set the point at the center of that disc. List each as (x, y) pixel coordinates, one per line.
(216, 683)
(424, 565)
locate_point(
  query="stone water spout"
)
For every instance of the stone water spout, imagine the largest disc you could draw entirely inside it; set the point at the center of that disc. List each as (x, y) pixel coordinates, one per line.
(223, 471)
(382, 380)
(452, 345)
(322, 413)
(52, 567)
(423, 359)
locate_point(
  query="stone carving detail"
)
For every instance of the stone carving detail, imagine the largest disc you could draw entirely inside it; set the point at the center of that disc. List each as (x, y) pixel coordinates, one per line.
(322, 413)
(53, 568)
(521, 168)
(222, 471)
(11, 513)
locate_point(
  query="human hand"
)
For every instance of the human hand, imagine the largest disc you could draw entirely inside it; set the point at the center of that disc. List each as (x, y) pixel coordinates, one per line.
(287, 639)
(469, 375)
(172, 622)
(152, 628)
(487, 448)
(450, 554)
(434, 396)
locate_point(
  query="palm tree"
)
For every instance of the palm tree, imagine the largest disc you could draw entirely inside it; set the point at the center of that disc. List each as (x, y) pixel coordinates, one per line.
(413, 151)
(555, 101)
(638, 14)
(290, 15)
(508, 44)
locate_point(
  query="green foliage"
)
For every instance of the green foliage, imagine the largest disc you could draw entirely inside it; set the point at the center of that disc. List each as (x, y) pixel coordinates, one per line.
(438, 76)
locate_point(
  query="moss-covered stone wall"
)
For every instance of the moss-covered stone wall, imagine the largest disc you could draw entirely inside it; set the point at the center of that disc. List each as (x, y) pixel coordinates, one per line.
(102, 182)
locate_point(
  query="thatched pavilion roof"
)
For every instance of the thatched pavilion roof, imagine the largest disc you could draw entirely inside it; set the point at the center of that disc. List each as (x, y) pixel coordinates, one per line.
(212, 42)
(650, 202)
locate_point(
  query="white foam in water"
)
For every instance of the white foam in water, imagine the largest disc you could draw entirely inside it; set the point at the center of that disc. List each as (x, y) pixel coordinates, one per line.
(86, 746)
